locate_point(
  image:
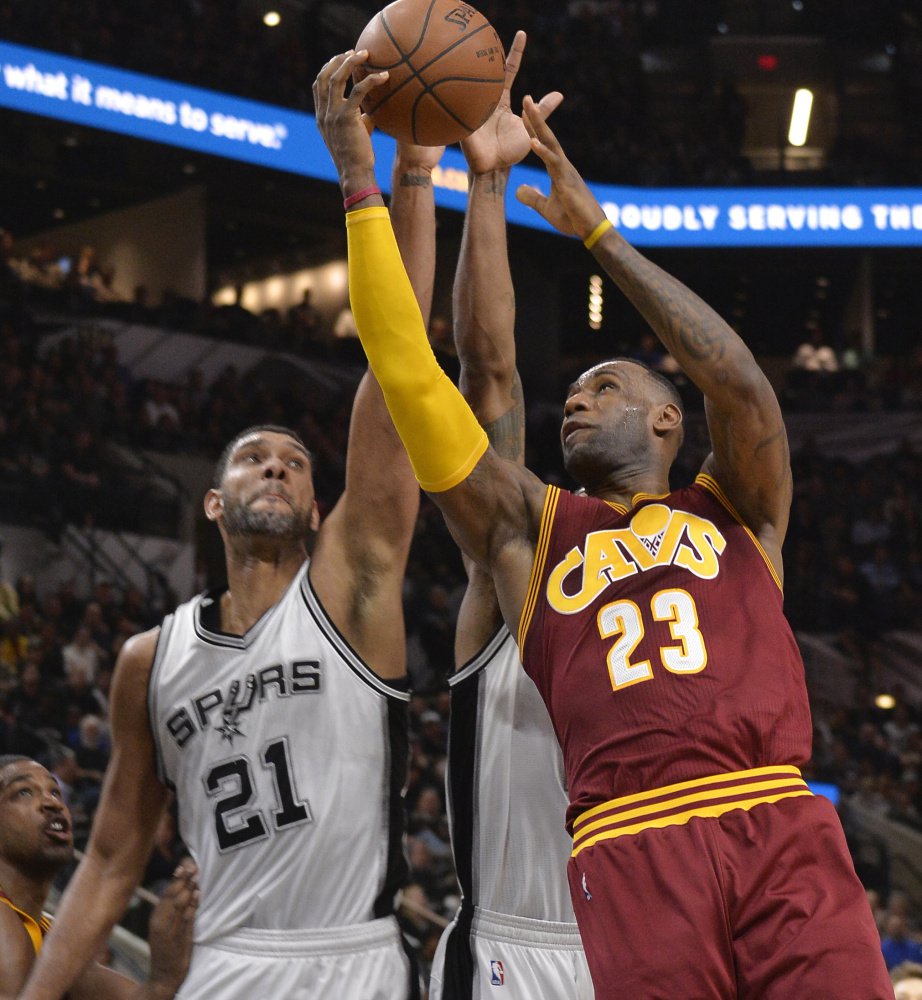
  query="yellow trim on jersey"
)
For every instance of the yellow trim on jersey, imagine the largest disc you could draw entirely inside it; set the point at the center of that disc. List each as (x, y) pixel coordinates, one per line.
(640, 497)
(675, 805)
(35, 929)
(714, 488)
(551, 499)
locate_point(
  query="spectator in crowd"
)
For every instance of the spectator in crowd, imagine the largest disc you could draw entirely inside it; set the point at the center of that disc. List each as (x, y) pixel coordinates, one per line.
(305, 325)
(83, 653)
(897, 943)
(9, 596)
(907, 981)
(813, 370)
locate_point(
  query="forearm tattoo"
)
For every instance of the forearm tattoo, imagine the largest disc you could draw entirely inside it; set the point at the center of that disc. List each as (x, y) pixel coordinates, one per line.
(410, 179)
(507, 433)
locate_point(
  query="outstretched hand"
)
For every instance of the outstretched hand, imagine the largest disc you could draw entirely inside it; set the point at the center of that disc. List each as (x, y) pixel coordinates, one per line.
(503, 140)
(345, 130)
(571, 208)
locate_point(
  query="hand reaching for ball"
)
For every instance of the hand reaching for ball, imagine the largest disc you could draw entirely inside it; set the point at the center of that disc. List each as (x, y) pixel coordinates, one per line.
(340, 119)
(503, 140)
(571, 207)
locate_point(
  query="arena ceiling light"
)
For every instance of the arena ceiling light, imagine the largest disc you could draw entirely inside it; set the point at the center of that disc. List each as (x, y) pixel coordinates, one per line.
(272, 18)
(800, 116)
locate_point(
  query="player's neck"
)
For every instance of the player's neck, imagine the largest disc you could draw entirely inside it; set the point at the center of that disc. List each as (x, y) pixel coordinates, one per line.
(254, 586)
(25, 893)
(623, 489)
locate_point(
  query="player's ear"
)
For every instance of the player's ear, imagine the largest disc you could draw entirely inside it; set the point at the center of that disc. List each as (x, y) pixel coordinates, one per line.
(668, 418)
(315, 516)
(213, 504)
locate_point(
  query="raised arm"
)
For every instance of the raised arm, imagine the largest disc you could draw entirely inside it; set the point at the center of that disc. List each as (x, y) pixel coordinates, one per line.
(750, 456)
(413, 217)
(372, 525)
(492, 506)
(484, 320)
(120, 841)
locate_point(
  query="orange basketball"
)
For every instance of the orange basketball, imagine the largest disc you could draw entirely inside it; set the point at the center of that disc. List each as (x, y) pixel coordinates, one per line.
(446, 66)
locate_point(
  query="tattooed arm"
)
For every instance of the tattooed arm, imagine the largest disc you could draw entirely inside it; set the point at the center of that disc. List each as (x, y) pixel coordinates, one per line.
(750, 456)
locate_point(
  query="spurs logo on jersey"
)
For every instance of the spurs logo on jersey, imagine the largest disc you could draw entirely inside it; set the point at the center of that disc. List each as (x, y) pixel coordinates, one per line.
(656, 536)
(222, 710)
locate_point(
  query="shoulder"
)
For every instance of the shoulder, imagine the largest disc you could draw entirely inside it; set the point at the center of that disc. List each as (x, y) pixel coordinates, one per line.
(138, 651)
(133, 666)
(17, 953)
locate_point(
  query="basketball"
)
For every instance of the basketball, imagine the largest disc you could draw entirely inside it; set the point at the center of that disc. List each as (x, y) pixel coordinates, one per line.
(446, 66)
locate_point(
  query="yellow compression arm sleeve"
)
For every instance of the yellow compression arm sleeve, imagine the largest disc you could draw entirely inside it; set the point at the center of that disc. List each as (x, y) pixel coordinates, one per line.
(437, 427)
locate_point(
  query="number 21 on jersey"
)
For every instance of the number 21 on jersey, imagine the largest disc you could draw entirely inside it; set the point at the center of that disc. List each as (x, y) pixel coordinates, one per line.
(624, 621)
(237, 819)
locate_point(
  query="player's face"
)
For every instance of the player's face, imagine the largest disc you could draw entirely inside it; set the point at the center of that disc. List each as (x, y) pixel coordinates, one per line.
(268, 488)
(605, 426)
(908, 989)
(35, 825)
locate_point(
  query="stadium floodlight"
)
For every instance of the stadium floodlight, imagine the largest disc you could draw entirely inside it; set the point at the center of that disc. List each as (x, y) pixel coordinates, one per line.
(272, 19)
(800, 116)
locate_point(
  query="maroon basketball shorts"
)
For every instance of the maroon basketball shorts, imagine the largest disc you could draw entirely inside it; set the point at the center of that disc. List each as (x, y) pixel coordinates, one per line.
(756, 903)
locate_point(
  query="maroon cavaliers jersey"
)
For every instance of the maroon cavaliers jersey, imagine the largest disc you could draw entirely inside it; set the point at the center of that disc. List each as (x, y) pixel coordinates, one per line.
(658, 641)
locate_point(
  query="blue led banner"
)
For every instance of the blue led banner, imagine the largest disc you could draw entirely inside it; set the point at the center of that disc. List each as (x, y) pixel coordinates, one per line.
(204, 121)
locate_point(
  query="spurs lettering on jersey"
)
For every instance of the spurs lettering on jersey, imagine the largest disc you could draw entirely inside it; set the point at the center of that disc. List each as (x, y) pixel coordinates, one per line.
(225, 710)
(656, 536)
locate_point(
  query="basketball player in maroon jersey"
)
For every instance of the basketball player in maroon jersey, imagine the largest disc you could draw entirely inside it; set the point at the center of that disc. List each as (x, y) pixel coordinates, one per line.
(651, 621)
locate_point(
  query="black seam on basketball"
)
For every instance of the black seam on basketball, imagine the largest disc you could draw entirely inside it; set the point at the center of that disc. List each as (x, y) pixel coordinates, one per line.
(415, 73)
(413, 48)
(429, 91)
(404, 60)
(454, 45)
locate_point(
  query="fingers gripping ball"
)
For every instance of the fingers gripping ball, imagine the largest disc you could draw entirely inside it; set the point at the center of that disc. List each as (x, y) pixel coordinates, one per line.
(446, 66)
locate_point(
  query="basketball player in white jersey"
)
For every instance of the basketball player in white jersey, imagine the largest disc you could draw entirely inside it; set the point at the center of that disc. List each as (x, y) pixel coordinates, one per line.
(276, 709)
(507, 801)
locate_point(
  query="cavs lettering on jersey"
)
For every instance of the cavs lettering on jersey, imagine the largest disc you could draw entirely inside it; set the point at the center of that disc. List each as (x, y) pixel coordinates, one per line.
(35, 929)
(657, 639)
(506, 793)
(288, 758)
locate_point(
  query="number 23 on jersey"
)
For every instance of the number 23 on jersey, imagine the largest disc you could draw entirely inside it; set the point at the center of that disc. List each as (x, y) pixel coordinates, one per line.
(624, 621)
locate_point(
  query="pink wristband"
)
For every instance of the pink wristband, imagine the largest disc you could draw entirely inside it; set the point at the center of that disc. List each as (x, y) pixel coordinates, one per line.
(361, 195)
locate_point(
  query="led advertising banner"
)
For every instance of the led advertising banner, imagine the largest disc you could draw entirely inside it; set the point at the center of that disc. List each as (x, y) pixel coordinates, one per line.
(204, 121)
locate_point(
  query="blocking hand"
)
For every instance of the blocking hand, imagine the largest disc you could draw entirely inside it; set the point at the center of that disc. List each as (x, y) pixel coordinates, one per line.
(503, 140)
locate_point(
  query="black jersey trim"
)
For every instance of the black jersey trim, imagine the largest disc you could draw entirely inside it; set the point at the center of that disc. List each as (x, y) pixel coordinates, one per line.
(348, 654)
(226, 639)
(482, 657)
(397, 750)
(461, 780)
(153, 689)
(458, 966)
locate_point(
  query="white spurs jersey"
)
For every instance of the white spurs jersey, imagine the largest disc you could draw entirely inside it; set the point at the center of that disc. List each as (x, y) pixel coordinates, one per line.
(288, 758)
(507, 797)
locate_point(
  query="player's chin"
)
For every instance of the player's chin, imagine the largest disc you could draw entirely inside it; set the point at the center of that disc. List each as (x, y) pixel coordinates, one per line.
(55, 856)
(281, 524)
(581, 461)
